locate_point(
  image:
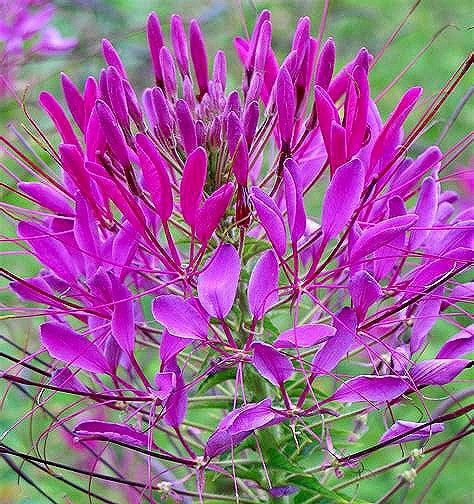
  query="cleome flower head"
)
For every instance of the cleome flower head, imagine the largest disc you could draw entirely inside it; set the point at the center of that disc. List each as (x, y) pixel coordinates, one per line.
(182, 266)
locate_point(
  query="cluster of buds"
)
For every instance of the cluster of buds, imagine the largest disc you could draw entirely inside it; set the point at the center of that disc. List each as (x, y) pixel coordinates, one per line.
(25, 32)
(182, 269)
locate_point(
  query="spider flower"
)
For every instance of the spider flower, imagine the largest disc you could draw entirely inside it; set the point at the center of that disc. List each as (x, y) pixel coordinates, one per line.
(179, 241)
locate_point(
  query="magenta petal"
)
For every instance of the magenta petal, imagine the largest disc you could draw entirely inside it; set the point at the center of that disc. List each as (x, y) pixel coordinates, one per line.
(57, 115)
(165, 383)
(155, 176)
(370, 389)
(263, 284)
(111, 432)
(326, 61)
(74, 100)
(155, 43)
(270, 218)
(342, 197)
(180, 45)
(123, 320)
(327, 114)
(381, 234)
(117, 98)
(424, 318)
(364, 290)
(286, 106)
(217, 284)
(170, 346)
(177, 402)
(437, 371)
(394, 122)
(237, 425)
(199, 56)
(328, 357)
(67, 345)
(113, 133)
(47, 196)
(304, 336)
(401, 426)
(112, 58)
(459, 344)
(240, 161)
(212, 211)
(50, 251)
(192, 184)
(294, 200)
(179, 317)
(67, 380)
(426, 208)
(271, 364)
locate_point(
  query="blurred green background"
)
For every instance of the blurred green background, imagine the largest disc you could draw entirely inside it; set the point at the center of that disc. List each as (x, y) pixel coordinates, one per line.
(352, 24)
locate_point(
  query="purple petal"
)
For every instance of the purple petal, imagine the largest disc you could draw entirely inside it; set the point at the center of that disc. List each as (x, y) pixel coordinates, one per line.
(49, 250)
(47, 196)
(155, 176)
(66, 345)
(155, 43)
(171, 346)
(199, 56)
(271, 364)
(304, 336)
(212, 211)
(326, 61)
(342, 197)
(165, 383)
(187, 127)
(459, 344)
(394, 122)
(328, 357)
(437, 371)
(57, 115)
(370, 389)
(113, 132)
(180, 45)
(402, 426)
(424, 318)
(285, 105)
(74, 100)
(381, 234)
(217, 284)
(111, 431)
(294, 200)
(177, 402)
(66, 379)
(123, 319)
(237, 425)
(270, 218)
(426, 208)
(364, 290)
(112, 58)
(263, 284)
(192, 184)
(181, 318)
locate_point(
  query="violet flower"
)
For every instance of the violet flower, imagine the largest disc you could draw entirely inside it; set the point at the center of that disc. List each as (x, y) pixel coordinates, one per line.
(182, 265)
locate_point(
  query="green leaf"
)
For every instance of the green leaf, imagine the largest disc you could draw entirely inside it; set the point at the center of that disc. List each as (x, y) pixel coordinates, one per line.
(216, 378)
(270, 327)
(219, 402)
(310, 484)
(253, 246)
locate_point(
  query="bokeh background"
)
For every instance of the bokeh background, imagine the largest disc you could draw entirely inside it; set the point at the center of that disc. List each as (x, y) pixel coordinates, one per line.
(353, 24)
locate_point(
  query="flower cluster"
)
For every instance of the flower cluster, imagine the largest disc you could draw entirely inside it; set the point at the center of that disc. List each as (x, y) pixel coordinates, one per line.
(183, 269)
(25, 32)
